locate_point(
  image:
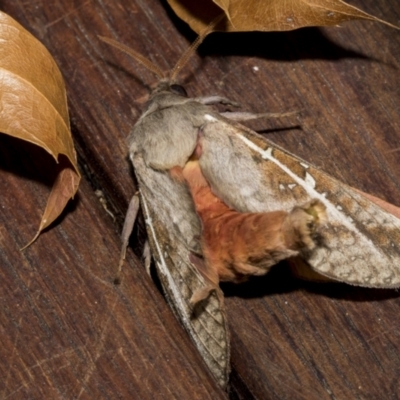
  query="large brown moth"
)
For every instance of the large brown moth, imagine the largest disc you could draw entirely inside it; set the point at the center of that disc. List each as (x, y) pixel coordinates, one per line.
(178, 142)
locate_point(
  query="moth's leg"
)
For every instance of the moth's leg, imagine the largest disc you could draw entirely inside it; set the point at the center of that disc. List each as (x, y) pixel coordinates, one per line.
(210, 277)
(209, 100)
(301, 224)
(247, 116)
(129, 222)
(203, 294)
(147, 256)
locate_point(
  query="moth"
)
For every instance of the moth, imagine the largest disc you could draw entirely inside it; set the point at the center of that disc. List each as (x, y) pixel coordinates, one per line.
(193, 163)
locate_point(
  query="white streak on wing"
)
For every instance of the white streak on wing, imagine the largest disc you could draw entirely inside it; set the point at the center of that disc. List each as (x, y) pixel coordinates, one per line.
(210, 118)
(310, 180)
(375, 260)
(309, 188)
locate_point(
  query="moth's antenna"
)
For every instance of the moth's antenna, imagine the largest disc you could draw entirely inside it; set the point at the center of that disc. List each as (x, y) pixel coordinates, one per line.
(137, 56)
(189, 52)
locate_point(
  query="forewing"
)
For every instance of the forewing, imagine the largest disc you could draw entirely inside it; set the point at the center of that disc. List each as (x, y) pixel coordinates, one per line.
(360, 245)
(174, 231)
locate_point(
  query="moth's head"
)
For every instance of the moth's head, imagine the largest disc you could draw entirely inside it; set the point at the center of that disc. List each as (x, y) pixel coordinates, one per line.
(168, 87)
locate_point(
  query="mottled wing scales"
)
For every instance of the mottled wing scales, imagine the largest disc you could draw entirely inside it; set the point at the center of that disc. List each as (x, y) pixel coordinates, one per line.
(361, 243)
(173, 235)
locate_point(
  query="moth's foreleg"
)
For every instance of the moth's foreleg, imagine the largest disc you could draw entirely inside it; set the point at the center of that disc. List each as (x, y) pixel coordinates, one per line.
(129, 222)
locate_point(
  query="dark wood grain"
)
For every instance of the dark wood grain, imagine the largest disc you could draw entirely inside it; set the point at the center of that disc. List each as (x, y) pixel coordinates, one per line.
(68, 332)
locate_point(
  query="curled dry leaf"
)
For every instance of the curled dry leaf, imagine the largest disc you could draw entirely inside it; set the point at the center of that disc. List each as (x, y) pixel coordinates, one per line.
(267, 15)
(33, 107)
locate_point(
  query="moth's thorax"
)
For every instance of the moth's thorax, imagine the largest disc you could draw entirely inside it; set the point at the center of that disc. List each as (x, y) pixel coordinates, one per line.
(166, 133)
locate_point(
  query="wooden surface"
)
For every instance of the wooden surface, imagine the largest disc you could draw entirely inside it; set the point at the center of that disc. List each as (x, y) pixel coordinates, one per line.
(67, 332)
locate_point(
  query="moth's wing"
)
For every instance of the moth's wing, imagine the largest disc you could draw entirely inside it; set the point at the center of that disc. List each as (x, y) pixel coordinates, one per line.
(360, 245)
(174, 232)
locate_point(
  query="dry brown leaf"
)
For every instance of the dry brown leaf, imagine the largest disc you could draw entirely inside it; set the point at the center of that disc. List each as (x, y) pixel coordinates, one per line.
(267, 15)
(33, 107)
